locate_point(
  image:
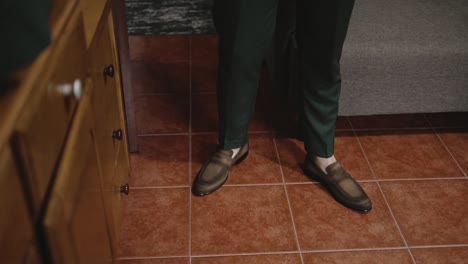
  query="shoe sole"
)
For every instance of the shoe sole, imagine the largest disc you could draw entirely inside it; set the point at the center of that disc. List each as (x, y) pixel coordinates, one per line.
(221, 185)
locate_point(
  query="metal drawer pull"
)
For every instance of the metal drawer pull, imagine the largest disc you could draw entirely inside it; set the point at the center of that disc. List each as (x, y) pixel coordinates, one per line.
(109, 71)
(125, 189)
(74, 89)
(117, 134)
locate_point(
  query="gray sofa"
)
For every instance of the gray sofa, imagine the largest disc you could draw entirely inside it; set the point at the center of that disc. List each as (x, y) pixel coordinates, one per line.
(400, 56)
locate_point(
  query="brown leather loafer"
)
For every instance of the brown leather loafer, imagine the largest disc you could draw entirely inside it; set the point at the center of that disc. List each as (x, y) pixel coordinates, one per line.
(215, 171)
(340, 185)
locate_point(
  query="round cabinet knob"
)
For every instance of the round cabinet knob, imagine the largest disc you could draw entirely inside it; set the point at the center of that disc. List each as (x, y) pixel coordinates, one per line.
(77, 89)
(109, 71)
(74, 89)
(117, 134)
(125, 189)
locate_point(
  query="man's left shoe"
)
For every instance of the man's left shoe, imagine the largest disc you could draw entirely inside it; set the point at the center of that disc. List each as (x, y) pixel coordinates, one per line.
(340, 184)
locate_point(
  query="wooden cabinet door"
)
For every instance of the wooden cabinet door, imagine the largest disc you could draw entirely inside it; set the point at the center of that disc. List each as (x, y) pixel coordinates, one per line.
(43, 125)
(111, 136)
(16, 228)
(75, 222)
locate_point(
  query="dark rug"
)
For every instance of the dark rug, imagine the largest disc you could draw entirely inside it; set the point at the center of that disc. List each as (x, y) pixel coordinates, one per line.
(153, 17)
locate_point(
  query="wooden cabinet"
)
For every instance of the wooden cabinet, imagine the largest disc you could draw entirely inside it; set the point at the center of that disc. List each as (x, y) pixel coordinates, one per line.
(75, 221)
(63, 146)
(43, 125)
(17, 241)
(110, 129)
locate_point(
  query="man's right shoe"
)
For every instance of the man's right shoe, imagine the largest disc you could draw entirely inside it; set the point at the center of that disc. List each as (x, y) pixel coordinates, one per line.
(215, 171)
(340, 184)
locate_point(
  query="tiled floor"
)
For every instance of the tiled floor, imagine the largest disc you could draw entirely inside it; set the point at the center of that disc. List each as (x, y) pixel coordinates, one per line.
(414, 167)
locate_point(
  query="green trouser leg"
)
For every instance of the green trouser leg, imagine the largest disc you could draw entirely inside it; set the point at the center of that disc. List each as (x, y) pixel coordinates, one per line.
(245, 29)
(321, 31)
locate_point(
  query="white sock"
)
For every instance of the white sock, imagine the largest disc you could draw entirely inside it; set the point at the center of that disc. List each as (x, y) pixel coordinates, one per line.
(234, 152)
(323, 163)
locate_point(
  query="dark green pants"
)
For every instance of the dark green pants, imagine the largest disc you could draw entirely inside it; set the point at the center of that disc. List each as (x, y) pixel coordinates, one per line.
(246, 29)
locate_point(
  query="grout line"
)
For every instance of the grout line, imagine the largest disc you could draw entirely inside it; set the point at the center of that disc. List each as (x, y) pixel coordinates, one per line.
(151, 257)
(298, 252)
(160, 187)
(353, 250)
(190, 149)
(298, 244)
(295, 183)
(423, 179)
(448, 150)
(247, 254)
(384, 197)
(302, 183)
(441, 246)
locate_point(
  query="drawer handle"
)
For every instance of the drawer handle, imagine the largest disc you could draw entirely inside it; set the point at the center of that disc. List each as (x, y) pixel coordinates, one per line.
(117, 134)
(74, 89)
(109, 71)
(125, 189)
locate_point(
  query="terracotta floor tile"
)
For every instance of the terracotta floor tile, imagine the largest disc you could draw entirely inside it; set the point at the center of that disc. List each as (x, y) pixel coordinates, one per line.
(261, 121)
(347, 150)
(408, 154)
(156, 223)
(156, 261)
(457, 142)
(159, 114)
(291, 153)
(242, 220)
(430, 212)
(360, 257)
(205, 115)
(204, 77)
(322, 223)
(160, 77)
(454, 255)
(389, 121)
(261, 166)
(160, 48)
(161, 161)
(260, 259)
(448, 119)
(205, 48)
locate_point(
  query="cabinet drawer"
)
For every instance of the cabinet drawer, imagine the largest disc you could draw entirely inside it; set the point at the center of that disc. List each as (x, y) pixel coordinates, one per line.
(75, 222)
(16, 228)
(104, 99)
(43, 125)
(59, 13)
(119, 189)
(110, 129)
